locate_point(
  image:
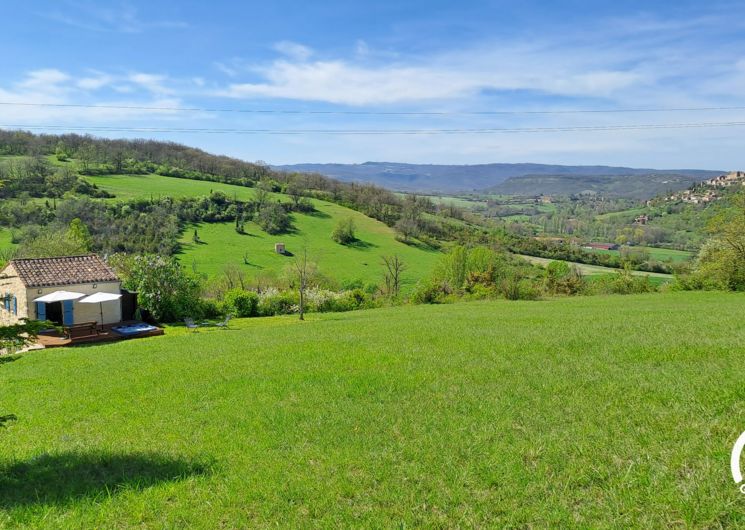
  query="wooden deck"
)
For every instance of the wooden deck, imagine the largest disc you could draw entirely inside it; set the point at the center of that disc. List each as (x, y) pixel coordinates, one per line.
(56, 340)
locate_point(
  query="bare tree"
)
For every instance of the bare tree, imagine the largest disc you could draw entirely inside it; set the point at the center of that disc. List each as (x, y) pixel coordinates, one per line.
(304, 271)
(234, 277)
(394, 268)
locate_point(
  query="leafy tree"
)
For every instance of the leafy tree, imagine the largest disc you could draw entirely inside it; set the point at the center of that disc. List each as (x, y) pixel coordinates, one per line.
(344, 232)
(408, 228)
(721, 262)
(17, 336)
(163, 287)
(273, 219)
(51, 243)
(79, 233)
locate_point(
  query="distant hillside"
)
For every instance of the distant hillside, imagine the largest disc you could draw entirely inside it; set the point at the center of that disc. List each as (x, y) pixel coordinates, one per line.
(563, 179)
(631, 186)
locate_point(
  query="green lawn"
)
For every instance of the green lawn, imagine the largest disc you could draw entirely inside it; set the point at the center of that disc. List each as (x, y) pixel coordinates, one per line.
(484, 414)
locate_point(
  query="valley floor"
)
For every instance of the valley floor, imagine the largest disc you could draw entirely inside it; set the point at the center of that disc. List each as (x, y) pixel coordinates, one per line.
(591, 270)
(587, 411)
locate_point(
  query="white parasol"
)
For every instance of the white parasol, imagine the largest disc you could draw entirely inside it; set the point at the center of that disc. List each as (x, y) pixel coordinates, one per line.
(100, 298)
(59, 296)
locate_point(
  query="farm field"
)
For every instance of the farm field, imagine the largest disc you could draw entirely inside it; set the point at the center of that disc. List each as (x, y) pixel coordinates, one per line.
(658, 254)
(591, 270)
(475, 414)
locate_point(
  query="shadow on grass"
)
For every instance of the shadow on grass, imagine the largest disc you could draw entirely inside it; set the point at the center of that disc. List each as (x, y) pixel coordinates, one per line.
(317, 213)
(66, 477)
(8, 358)
(360, 245)
(5, 419)
(418, 244)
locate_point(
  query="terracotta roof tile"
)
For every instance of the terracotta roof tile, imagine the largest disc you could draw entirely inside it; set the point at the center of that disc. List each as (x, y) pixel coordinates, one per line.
(68, 270)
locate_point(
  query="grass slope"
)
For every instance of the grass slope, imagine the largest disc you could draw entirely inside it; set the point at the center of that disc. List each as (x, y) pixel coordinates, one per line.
(146, 186)
(222, 246)
(482, 414)
(6, 240)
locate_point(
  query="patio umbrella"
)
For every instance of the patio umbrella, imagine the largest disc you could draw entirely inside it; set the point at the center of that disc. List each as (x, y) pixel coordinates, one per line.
(59, 296)
(100, 298)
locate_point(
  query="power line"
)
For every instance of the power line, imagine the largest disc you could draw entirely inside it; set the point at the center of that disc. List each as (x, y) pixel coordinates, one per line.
(370, 112)
(379, 131)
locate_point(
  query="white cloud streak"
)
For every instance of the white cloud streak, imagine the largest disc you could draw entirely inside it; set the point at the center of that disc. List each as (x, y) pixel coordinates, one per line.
(120, 17)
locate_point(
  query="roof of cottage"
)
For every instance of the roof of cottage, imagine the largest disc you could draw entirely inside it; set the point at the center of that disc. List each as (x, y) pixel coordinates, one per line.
(66, 270)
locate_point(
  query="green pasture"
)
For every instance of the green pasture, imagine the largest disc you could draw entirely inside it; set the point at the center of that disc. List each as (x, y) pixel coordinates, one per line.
(483, 414)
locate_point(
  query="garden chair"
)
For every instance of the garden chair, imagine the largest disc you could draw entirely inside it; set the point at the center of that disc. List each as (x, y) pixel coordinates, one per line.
(224, 323)
(190, 324)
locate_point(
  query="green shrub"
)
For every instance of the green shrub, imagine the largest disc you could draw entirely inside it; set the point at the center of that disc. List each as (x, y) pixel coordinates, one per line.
(273, 219)
(274, 302)
(208, 308)
(240, 303)
(430, 292)
(344, 232)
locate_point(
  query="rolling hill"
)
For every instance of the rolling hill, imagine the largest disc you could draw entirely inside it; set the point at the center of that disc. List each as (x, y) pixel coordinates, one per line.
(220, 245)
(454, 178)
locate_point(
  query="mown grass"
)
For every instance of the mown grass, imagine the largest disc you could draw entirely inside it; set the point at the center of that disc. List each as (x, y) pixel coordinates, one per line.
(602, 412)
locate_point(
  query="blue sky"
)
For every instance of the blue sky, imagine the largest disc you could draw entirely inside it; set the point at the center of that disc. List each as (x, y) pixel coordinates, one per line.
(383, 57)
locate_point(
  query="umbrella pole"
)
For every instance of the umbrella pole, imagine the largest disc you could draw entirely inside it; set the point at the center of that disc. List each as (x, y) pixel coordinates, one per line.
(100, 305)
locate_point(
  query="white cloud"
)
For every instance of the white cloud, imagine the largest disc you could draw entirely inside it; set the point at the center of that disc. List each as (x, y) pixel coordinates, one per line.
(151, 82)
(39, 92)
(95, 82)
(44, 80)
(293, 50)
(121, 17)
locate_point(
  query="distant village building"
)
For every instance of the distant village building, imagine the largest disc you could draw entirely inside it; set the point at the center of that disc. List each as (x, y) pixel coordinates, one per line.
(24, 280)
(602, 246)
(706, 191)
(734, 177)
(642, 219)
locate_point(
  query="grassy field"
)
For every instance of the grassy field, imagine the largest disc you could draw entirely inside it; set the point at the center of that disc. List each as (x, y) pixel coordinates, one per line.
(659, 254)
(5, 239)
(484, 414)
(593, 270)
(147, 186)
(221, 245)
